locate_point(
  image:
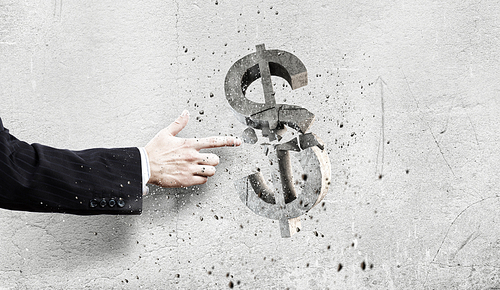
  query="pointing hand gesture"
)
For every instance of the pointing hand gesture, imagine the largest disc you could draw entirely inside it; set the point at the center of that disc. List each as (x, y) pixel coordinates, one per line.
(178, 162)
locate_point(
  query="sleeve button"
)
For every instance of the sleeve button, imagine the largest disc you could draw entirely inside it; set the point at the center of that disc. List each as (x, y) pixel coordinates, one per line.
(103, 203)
(121, 202)
(93, 203)
(112, 202)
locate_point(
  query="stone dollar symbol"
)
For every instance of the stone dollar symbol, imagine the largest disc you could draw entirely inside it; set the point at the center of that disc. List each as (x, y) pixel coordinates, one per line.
(280, 200)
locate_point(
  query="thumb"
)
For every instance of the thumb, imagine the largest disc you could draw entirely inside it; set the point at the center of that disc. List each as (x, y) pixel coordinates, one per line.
(179, 124)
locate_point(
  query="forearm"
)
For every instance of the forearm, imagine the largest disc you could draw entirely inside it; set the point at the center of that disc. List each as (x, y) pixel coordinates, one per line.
(44, 179)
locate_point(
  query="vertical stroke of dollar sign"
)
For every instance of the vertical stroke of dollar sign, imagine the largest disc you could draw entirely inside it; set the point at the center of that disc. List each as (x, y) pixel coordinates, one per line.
(280, 200)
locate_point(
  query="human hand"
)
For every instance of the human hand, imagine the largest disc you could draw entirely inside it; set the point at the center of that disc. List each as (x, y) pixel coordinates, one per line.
(177, 162)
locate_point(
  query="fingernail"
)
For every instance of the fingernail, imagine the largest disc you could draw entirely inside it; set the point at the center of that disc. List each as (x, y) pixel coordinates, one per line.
(185, 113)
(237, 142)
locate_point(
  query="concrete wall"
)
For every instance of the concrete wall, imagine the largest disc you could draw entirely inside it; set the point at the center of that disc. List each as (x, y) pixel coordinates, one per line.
(405, 95)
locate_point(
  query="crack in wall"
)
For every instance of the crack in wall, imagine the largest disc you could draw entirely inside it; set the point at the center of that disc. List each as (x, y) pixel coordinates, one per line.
(448, 231)
(381, 146)
(428, 126)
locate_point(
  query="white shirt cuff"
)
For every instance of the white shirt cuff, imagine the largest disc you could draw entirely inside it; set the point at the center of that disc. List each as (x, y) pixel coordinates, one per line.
(146, 172)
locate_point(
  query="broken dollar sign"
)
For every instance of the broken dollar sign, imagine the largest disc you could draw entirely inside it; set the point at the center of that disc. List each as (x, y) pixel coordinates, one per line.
(280, 200)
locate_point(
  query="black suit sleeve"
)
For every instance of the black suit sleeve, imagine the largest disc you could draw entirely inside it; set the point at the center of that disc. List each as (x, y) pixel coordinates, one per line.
(44, 179)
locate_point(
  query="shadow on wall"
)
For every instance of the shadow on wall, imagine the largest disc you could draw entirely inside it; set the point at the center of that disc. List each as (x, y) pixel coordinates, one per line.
(45, 243)
(161, 202)
(39, 242)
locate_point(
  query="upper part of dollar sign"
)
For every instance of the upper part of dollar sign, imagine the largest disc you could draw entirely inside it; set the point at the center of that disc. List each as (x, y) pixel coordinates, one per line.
(268, 116)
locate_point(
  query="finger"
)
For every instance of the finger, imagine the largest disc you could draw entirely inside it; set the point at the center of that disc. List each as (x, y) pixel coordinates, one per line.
(197, 179)
(214, 142)
(205, 170)
(209, 159)
(179, 124)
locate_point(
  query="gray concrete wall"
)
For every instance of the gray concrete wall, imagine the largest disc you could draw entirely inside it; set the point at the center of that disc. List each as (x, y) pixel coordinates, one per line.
(403, 90)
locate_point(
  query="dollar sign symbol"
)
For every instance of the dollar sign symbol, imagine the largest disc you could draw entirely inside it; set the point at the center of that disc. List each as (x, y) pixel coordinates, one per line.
(280, 201)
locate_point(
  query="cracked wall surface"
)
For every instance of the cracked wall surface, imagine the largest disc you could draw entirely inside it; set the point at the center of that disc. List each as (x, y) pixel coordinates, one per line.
(405, 96)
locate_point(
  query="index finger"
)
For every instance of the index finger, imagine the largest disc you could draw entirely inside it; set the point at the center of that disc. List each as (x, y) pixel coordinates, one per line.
(214, 142)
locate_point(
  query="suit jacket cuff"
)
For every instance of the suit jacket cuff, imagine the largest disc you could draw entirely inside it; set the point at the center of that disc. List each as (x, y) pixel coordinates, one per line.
(146, 171)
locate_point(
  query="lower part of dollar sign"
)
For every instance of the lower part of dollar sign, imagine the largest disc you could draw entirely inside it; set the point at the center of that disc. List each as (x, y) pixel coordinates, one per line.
(280, 200)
